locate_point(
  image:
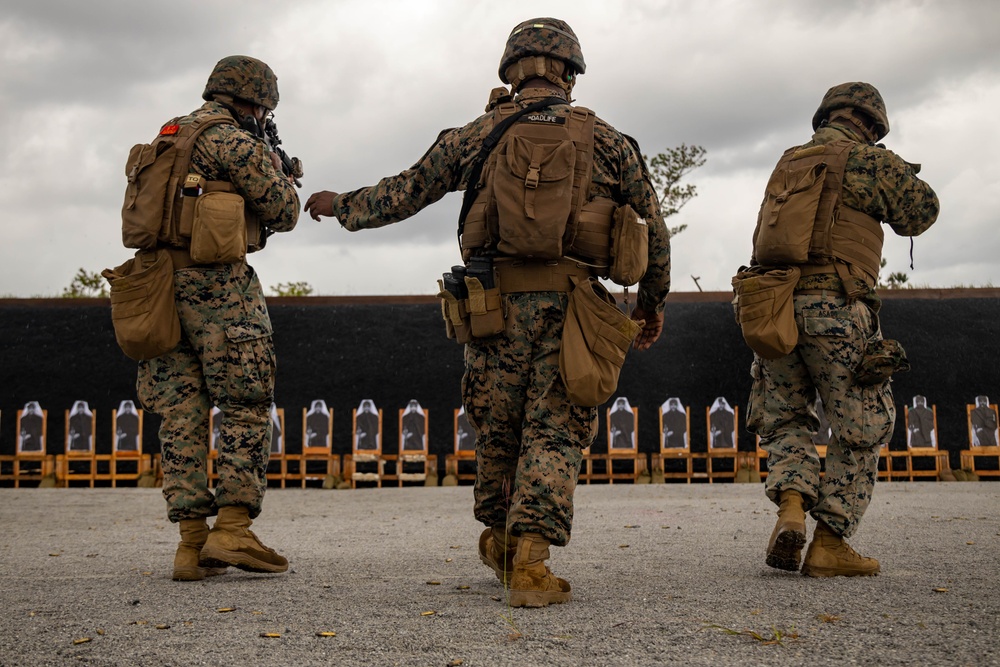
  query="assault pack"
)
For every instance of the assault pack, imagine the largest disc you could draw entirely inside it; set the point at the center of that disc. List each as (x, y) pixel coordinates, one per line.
(802, 219)
(166, 205)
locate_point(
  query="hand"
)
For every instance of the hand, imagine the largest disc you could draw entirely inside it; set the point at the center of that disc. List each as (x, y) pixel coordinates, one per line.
(320, 203)
(651, 328)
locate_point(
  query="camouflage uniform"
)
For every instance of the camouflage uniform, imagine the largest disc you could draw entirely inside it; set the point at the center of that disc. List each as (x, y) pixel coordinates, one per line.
(530, 436)
(834, 332)
(226, 356)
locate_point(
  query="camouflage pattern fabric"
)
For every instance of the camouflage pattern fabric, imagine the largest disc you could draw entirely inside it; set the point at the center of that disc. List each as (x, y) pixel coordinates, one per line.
(834, 333)
(229, 153)
(245, 78)
(542, 37)
(856, 95)
(530, 436)
(226, 356)
(618, 174)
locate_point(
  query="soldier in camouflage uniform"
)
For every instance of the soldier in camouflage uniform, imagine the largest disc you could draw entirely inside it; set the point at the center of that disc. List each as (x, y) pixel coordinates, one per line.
(225, 356)
(531, 437)
(838, 338)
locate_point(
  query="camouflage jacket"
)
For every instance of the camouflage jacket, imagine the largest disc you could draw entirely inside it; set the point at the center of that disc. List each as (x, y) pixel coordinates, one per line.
(618, 174)
(881, 184)
(229, 153)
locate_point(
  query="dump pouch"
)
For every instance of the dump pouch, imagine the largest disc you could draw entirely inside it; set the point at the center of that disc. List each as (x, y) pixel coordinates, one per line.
(765, 309)
(629, 247)
(882, 359)
(142, 305)
(485, 309)
(219, 229)
(596, 337)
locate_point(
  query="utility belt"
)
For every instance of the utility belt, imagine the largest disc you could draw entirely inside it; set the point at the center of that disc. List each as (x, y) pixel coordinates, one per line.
(470, 295)
(836, 277)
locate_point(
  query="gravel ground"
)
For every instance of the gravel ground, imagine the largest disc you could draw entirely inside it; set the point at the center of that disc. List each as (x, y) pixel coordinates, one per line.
(661, 574)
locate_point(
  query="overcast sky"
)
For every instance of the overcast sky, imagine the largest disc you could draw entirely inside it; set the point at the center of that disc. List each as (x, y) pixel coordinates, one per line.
(366, 87)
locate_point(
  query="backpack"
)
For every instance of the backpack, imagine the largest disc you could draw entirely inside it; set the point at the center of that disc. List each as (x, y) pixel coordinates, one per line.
(534, 183)
(154, 211)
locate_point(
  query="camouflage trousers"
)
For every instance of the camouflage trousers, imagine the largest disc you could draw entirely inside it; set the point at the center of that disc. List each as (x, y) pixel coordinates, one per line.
(530, 437)
(225, 358)
(833, 334)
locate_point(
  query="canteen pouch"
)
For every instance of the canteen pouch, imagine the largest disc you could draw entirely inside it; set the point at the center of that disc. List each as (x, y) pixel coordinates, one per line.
(596, 337)
(219, 229)
(484, 306)
(765, 309)
(882, 359)
(629, 247)
(455, 315)
(142, 305)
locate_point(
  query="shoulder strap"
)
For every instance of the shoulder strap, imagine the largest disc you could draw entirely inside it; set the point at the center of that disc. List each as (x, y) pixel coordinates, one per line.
(489, 143)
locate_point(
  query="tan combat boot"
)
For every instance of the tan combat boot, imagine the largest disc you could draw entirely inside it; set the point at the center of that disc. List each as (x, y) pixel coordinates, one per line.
(533, 584)
(186, 568)
(829, 555)
(784, 549)
(496, 550)
(231, 542)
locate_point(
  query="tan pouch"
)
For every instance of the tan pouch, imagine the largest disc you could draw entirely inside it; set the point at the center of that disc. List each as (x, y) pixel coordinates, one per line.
(596, 337)
(533, 187)
(485, 311)
(629, 247)
(219, 229)
(455, 315)
(148, 201)
(765, 309)
(788, 215)
(142, 305)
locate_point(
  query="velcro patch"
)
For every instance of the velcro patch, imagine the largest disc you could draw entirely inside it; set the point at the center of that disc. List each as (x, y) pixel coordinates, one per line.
(544, 118)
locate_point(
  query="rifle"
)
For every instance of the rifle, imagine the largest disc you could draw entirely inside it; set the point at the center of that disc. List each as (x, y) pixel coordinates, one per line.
(291, 166)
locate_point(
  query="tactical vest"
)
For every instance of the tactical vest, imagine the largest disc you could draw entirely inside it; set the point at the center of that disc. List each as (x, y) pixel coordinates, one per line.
(161, 193)
(802, 219)
(532, 191)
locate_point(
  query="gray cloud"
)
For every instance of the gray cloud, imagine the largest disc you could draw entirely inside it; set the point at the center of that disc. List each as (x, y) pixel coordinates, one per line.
(366, 87)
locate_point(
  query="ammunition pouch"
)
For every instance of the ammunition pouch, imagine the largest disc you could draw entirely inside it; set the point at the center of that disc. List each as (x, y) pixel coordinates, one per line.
(219, 229)
(764, 307)
(485, 308)
(143, 311)
(456, 316)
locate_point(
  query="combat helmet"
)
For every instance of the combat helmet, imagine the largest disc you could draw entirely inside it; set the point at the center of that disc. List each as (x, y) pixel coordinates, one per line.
(855, 95)
(547, 37)
(244, 78)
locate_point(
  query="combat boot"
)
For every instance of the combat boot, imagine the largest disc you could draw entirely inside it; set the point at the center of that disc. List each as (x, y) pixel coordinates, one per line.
(194, 532)
(533, 584)
(496, 550)
(231, 542)
(829, 555)
(784, 549)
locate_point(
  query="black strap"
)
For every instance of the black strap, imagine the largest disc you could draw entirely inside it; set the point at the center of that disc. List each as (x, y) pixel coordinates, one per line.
(489, 143)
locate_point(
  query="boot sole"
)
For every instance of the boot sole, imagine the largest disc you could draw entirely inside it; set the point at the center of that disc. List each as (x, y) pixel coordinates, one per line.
(787, 551)
(199, 573)
(211, 558)
(819, 572)
(536, 599)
